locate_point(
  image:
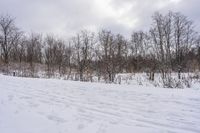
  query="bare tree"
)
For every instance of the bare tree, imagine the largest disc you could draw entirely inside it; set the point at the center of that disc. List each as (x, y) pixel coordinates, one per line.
(121, 48)
(157, 33)
(9, 36)
(67, 59)
(183, 34)
(49, 54)
(168, 32)
(106, 40)
(59, 54)
(34, 51)
(137, 46)
(83, 43)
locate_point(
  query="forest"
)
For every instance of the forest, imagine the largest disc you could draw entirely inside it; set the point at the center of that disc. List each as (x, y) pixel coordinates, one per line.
(171, 45)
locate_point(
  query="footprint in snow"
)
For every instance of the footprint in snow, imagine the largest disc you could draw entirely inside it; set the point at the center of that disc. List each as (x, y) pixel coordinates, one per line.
(56, 119)
(10, 97)
(80, 126)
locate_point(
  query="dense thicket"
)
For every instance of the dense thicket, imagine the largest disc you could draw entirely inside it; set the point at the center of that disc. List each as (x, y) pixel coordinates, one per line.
(170, 45)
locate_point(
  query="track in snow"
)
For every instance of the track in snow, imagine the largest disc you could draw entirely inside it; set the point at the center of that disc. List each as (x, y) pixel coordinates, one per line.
(55, 106)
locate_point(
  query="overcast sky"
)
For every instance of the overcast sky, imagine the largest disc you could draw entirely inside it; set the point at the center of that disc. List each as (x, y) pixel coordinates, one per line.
(66, 17)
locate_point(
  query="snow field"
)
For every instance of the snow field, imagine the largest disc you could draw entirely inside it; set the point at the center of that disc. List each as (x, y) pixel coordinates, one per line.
(57, 106)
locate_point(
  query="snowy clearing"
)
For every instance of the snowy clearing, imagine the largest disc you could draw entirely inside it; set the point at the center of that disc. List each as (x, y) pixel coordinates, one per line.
(57, 106)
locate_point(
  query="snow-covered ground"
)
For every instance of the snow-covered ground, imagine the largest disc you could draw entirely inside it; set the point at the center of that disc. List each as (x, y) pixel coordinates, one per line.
(58, 106)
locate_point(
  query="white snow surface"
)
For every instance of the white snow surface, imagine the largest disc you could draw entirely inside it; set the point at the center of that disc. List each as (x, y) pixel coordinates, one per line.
(57, 106)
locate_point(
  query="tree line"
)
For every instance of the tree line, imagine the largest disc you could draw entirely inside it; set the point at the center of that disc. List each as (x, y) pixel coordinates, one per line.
(171, 45)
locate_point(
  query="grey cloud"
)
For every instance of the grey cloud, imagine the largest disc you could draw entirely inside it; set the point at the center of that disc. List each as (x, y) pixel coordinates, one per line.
(65, 17)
